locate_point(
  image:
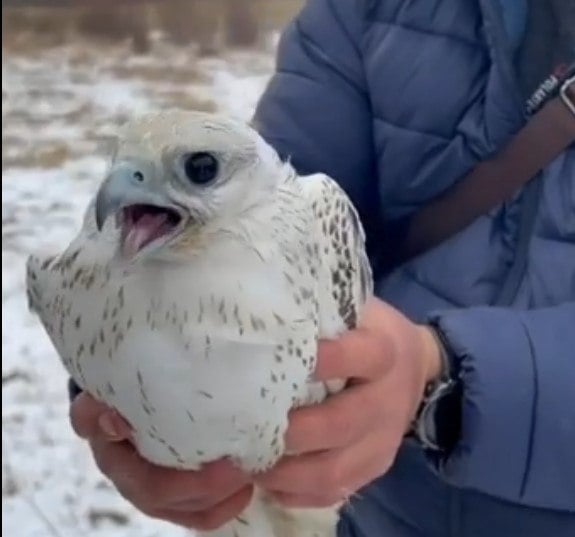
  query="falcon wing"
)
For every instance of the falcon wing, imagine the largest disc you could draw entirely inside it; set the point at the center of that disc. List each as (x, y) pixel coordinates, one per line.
(69, 289)
(346, 278)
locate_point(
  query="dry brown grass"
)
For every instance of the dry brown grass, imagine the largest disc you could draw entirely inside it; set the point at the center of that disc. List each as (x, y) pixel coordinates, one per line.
(100, 35)
(49, 155)
(211, 24)
(183, 99)
(157, 73)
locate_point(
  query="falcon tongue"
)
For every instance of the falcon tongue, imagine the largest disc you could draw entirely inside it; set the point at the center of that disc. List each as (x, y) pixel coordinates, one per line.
(141, 232)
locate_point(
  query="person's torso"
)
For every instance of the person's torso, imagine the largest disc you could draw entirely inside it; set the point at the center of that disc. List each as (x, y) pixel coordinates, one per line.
(444, 95)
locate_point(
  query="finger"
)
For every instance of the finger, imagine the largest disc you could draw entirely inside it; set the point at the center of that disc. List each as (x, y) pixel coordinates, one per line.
(91, 418)
(215, 483)
(377, 313)
(153, 487)
(358, 354)
(210, 519)
(346, 469)
(122, 465)
(84, 414)
(339, 421)
(113, 427)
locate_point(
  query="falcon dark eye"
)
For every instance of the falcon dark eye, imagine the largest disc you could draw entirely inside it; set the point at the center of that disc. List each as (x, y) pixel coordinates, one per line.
(201, 168)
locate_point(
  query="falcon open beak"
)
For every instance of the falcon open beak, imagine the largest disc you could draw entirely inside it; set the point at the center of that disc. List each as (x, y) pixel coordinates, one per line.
(144, 216)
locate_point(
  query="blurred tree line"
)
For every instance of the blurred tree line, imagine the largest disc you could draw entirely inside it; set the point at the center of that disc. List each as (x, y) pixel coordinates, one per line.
(211, 24)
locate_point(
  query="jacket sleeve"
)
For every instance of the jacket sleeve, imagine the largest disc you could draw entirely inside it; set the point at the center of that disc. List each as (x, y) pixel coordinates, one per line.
(518, 427)
(315, 110)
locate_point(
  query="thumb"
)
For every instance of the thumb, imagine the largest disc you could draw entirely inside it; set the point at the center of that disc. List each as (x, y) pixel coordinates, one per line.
(358, 354)
(91, 418)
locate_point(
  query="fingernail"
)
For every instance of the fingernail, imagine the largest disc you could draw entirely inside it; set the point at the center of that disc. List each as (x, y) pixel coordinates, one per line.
(108, 426)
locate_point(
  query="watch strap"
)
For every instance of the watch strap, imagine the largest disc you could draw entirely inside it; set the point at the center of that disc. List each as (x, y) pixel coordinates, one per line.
(437, 422)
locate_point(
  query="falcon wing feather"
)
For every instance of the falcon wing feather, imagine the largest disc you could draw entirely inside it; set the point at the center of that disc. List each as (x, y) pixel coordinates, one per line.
(346, 280)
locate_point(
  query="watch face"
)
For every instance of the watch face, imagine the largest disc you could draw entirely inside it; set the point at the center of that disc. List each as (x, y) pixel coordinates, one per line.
(448, 418)
(439, 425)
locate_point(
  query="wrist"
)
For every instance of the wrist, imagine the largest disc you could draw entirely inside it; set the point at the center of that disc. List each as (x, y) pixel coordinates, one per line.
(437, 424)
(431, 354)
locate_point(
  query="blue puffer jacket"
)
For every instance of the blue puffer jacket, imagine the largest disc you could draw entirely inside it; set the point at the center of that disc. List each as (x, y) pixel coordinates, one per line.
(397, 100)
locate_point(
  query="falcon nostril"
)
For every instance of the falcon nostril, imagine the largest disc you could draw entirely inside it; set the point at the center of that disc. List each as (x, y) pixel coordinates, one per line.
(138, 176)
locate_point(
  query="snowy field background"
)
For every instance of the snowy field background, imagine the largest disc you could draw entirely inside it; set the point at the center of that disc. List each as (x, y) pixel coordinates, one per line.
(59, 107)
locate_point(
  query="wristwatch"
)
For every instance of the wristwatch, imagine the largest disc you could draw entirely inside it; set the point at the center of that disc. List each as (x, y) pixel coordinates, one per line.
(437, 424)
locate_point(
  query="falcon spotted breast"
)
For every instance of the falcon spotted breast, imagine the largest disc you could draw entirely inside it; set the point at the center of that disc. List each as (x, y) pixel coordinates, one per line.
(195, 293)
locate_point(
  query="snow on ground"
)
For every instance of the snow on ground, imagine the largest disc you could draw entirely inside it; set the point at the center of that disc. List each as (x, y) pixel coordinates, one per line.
(59, 107)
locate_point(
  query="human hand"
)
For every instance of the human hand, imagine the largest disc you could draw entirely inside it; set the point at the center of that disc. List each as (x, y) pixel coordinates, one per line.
(353, 437)
(203, 500)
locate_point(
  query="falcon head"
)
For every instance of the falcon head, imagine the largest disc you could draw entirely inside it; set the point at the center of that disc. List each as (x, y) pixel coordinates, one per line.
(176, 174)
